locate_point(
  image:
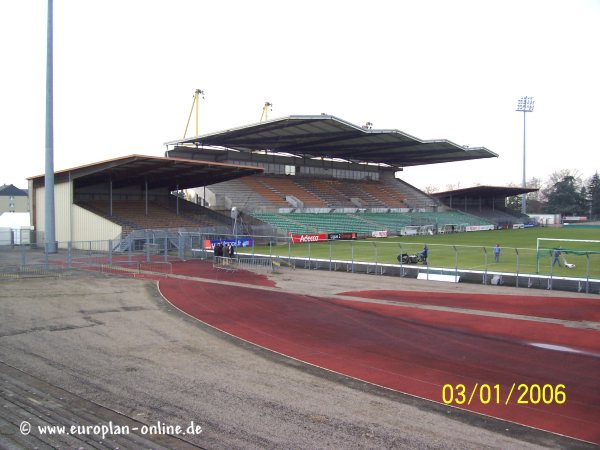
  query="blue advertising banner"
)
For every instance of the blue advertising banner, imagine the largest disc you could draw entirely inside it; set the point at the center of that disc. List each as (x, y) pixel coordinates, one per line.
(241, 242)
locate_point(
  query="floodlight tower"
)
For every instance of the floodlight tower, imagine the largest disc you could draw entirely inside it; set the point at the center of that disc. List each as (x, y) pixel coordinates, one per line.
(265, 111)
(49, 220)
(196, 102)
(525, 104)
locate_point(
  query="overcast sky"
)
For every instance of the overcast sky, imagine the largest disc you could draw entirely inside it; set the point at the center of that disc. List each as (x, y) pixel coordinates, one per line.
(125, 72)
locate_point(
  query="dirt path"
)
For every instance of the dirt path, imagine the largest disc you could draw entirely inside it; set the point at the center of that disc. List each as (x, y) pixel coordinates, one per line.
(116, 343)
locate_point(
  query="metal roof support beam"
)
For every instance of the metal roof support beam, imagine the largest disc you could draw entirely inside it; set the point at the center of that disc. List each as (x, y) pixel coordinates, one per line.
(146, 195)
(110, 196)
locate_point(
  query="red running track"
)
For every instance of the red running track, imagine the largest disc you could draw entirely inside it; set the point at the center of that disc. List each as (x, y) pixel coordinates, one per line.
(576, 309)
(204, 269)
(414, 350)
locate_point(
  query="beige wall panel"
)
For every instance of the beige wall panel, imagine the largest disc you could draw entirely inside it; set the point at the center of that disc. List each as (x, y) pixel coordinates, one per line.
(73, 223)
(88, 226)
(40, 216)
(62, 209)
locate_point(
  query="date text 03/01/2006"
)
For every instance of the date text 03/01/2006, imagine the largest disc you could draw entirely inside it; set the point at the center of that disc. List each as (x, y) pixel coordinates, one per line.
(526, 394)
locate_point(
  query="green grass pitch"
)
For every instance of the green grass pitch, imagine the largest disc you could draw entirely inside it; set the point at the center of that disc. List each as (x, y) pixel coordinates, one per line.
(470, 251)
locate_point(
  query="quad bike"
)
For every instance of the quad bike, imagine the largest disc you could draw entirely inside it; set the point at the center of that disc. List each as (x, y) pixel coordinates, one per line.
(405, 258)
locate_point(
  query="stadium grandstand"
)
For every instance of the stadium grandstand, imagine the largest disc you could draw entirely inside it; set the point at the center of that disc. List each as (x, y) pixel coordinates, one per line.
(115, 199)
(323, 174)
(486, 202)
(297, 174)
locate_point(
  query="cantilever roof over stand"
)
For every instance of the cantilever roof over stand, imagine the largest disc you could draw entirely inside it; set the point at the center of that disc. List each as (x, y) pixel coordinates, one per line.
(157, 172)
(330, 137)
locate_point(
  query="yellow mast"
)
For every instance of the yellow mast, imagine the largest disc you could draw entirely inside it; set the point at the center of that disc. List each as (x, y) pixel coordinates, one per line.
(265, 111)
(197, 94)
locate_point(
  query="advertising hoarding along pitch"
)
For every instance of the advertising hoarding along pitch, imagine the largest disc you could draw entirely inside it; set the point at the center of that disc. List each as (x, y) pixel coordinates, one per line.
(305, 238)
(209, 244)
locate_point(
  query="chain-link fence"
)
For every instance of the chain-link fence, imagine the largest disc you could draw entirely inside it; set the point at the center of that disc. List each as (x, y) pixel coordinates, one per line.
(155, 250)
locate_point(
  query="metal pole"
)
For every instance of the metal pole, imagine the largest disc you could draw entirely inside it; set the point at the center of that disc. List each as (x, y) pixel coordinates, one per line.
(485, 264)
(551, 276)
(455, 263)
(49, 215)
(182, 246)
(147, 246)
(166, 247)
(525, 104)
(518, 267)
(69, 254)
(587, 274)
(400, 261)
(197, 100)
(524, 195)
(23, 255)
(376, 257)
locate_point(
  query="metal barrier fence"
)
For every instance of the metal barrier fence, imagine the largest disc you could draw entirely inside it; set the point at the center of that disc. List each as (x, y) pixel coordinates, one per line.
(244, 263)
(9, 271)
(522, 267)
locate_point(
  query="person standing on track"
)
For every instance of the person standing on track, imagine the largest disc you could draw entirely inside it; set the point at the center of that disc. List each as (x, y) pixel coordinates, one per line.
(497, 251)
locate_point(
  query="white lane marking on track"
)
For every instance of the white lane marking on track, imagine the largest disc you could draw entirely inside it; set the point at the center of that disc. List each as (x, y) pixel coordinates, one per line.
(563, 348)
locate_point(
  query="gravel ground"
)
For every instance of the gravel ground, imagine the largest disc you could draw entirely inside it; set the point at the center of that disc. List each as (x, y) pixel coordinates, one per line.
(117, 344)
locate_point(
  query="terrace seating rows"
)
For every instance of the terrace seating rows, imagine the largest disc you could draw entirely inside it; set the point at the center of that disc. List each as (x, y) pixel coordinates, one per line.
(132, 215)
(412, 197)
(240, 195)
(200, 215)
(283, 222)
(383, 195)
(287, 186)
(270, 191)
(395, 222)
(256, 184)
(327, 191)
(364, 222)
(333, 222)
(497, 216)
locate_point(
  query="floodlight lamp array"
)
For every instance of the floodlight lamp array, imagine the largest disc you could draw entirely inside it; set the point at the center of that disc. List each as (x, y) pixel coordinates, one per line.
(525, 104)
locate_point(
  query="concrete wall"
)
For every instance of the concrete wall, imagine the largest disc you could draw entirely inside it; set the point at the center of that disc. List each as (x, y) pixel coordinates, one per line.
(72, 223)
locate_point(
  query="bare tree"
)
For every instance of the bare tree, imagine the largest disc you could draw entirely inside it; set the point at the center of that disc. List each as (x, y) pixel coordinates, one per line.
(557, 177)
(431, 189)
(452, 187)
(561, 174)
(535, 183)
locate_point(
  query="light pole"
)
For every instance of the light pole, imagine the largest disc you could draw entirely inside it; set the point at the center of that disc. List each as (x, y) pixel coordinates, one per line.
(524, 104)
(49, 220)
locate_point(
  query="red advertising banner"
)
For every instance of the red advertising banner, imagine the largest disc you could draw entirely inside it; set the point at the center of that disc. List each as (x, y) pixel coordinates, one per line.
(342, 236)
(305, 238)
(379, 234)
